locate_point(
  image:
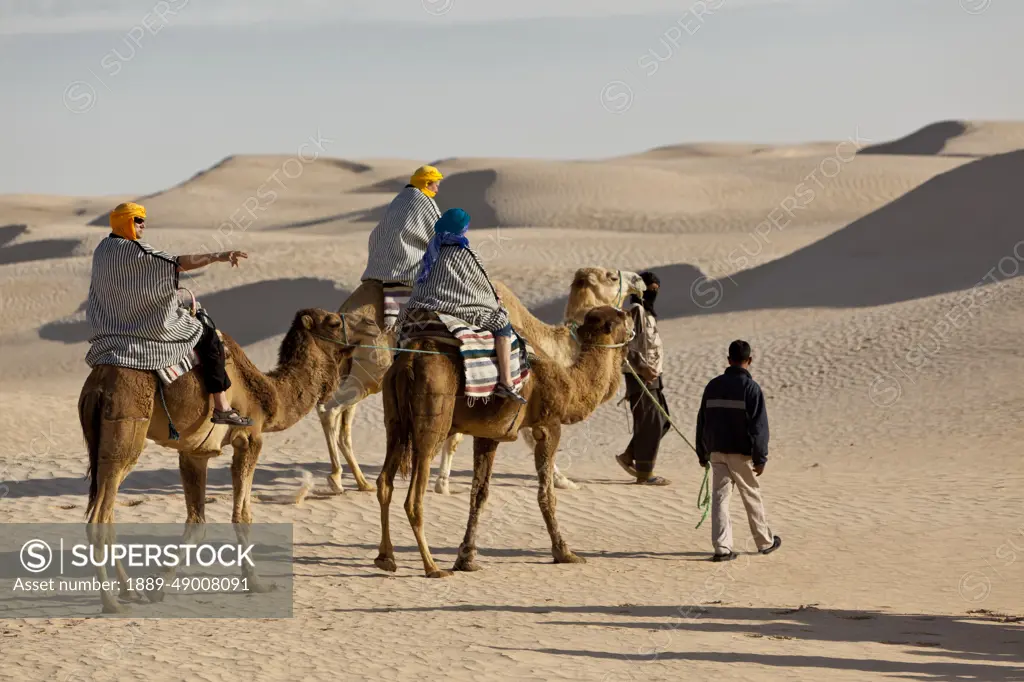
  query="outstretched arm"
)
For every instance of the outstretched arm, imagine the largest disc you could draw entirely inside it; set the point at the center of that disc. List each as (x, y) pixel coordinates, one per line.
(196, 261)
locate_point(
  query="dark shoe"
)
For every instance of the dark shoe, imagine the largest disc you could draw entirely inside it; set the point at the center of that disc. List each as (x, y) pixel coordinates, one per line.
(626, 464)
(230, 417)
(503, 391)
(775, 546)
(723, 557)
(653, 480)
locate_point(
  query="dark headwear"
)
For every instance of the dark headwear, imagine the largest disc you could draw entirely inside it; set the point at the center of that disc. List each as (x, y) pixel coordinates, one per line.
(649, 279)
(450, 228)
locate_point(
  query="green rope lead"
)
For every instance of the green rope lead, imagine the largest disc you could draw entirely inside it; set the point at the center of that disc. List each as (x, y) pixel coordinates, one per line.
(704, 494)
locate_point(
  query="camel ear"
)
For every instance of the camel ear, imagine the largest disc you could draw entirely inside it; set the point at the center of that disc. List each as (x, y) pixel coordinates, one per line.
(307, 321)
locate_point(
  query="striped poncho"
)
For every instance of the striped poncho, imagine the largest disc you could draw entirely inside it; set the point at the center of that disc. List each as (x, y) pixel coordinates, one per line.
(133, 309)
(458, 286)
(400, 239)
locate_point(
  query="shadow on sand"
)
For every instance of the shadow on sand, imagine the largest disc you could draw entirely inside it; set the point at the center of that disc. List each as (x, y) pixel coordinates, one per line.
(958, 229)
(43, 249)
(978, 640)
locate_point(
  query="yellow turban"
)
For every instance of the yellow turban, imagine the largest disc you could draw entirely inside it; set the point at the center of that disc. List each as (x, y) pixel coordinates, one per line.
(423, 176)
(122, 219)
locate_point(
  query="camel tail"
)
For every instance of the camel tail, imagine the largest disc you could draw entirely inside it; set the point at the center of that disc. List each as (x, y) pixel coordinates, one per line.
(90, 414)
(400, 406)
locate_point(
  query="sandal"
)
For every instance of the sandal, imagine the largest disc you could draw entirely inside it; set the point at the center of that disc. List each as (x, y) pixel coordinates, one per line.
(230, 417)
(653, 480)
(626, 464)
(504, 391)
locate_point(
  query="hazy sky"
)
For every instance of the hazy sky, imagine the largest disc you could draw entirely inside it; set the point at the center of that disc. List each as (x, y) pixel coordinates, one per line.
(119, 96)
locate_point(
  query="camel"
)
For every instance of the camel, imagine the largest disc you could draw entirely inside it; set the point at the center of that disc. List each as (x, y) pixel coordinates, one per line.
(119, 408)
(363, 374)
(422, 409)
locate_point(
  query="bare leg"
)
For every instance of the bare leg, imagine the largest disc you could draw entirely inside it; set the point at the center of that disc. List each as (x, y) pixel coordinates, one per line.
(483, 463)
(220, 401)
(448, 449)
(544, 457)
(503, 348)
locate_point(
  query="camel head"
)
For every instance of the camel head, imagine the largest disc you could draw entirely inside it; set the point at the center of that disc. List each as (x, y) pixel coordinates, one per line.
(593, 287)
(605, 326)
(315, 327)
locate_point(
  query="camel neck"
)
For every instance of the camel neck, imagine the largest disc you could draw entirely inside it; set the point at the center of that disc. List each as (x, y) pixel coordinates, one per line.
(595, 376)
(300, 380)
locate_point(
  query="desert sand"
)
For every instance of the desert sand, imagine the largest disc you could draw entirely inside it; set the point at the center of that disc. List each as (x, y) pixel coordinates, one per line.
(877, 284)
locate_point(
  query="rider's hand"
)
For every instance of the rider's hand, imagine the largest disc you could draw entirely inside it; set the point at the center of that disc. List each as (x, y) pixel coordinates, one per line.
(233, 256)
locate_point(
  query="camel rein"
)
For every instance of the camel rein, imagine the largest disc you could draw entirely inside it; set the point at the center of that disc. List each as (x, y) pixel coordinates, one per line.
(704, 494)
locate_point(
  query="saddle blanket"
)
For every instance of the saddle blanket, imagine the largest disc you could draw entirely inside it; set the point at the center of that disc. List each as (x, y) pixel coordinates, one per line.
(479, 359)
(169, 374)
(395, 296)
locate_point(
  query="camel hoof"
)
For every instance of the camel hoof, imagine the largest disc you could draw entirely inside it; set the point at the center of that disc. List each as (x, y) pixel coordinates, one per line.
(367, 488)
(334, 483)
(570, 558)
(385, 563)
(468, 566)
(155, 595)
(440, 574)
(130, 596)
(563, 483)
(441, 486)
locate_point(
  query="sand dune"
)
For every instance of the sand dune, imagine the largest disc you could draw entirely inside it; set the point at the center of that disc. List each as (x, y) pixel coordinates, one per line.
(893, 476)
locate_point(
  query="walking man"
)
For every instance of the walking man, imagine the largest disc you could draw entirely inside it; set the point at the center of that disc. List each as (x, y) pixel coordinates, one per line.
(645, 356)
(732, 438)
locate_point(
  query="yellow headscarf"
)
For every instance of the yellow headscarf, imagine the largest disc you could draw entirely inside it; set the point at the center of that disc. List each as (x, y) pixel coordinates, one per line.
(122, 220)
(424, 175)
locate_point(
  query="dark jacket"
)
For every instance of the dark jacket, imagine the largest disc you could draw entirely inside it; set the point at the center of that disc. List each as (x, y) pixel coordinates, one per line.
(733, 418)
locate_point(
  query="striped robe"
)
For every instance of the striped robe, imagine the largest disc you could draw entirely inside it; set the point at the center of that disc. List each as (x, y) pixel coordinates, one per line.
(458, 286)
(400, 239)
(133, 309)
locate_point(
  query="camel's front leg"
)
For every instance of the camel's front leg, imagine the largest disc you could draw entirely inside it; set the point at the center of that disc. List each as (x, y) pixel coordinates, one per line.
(451, 444)
(243, 467)
(547, 438)
(337, 425)
(193, 479)
(483, 464)
(562, 482)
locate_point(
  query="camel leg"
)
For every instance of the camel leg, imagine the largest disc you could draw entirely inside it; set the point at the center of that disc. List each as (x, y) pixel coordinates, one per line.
(483, 463)
(193, 480)
(330, 421)
(120, 443)
(423, 448)
(562, 482)
(451, 444)
(385, 487)
(246, 448)
(347, 420)
(547, 438)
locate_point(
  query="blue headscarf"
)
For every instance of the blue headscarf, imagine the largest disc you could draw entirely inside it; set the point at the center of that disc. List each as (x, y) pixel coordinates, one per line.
(450, 228)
